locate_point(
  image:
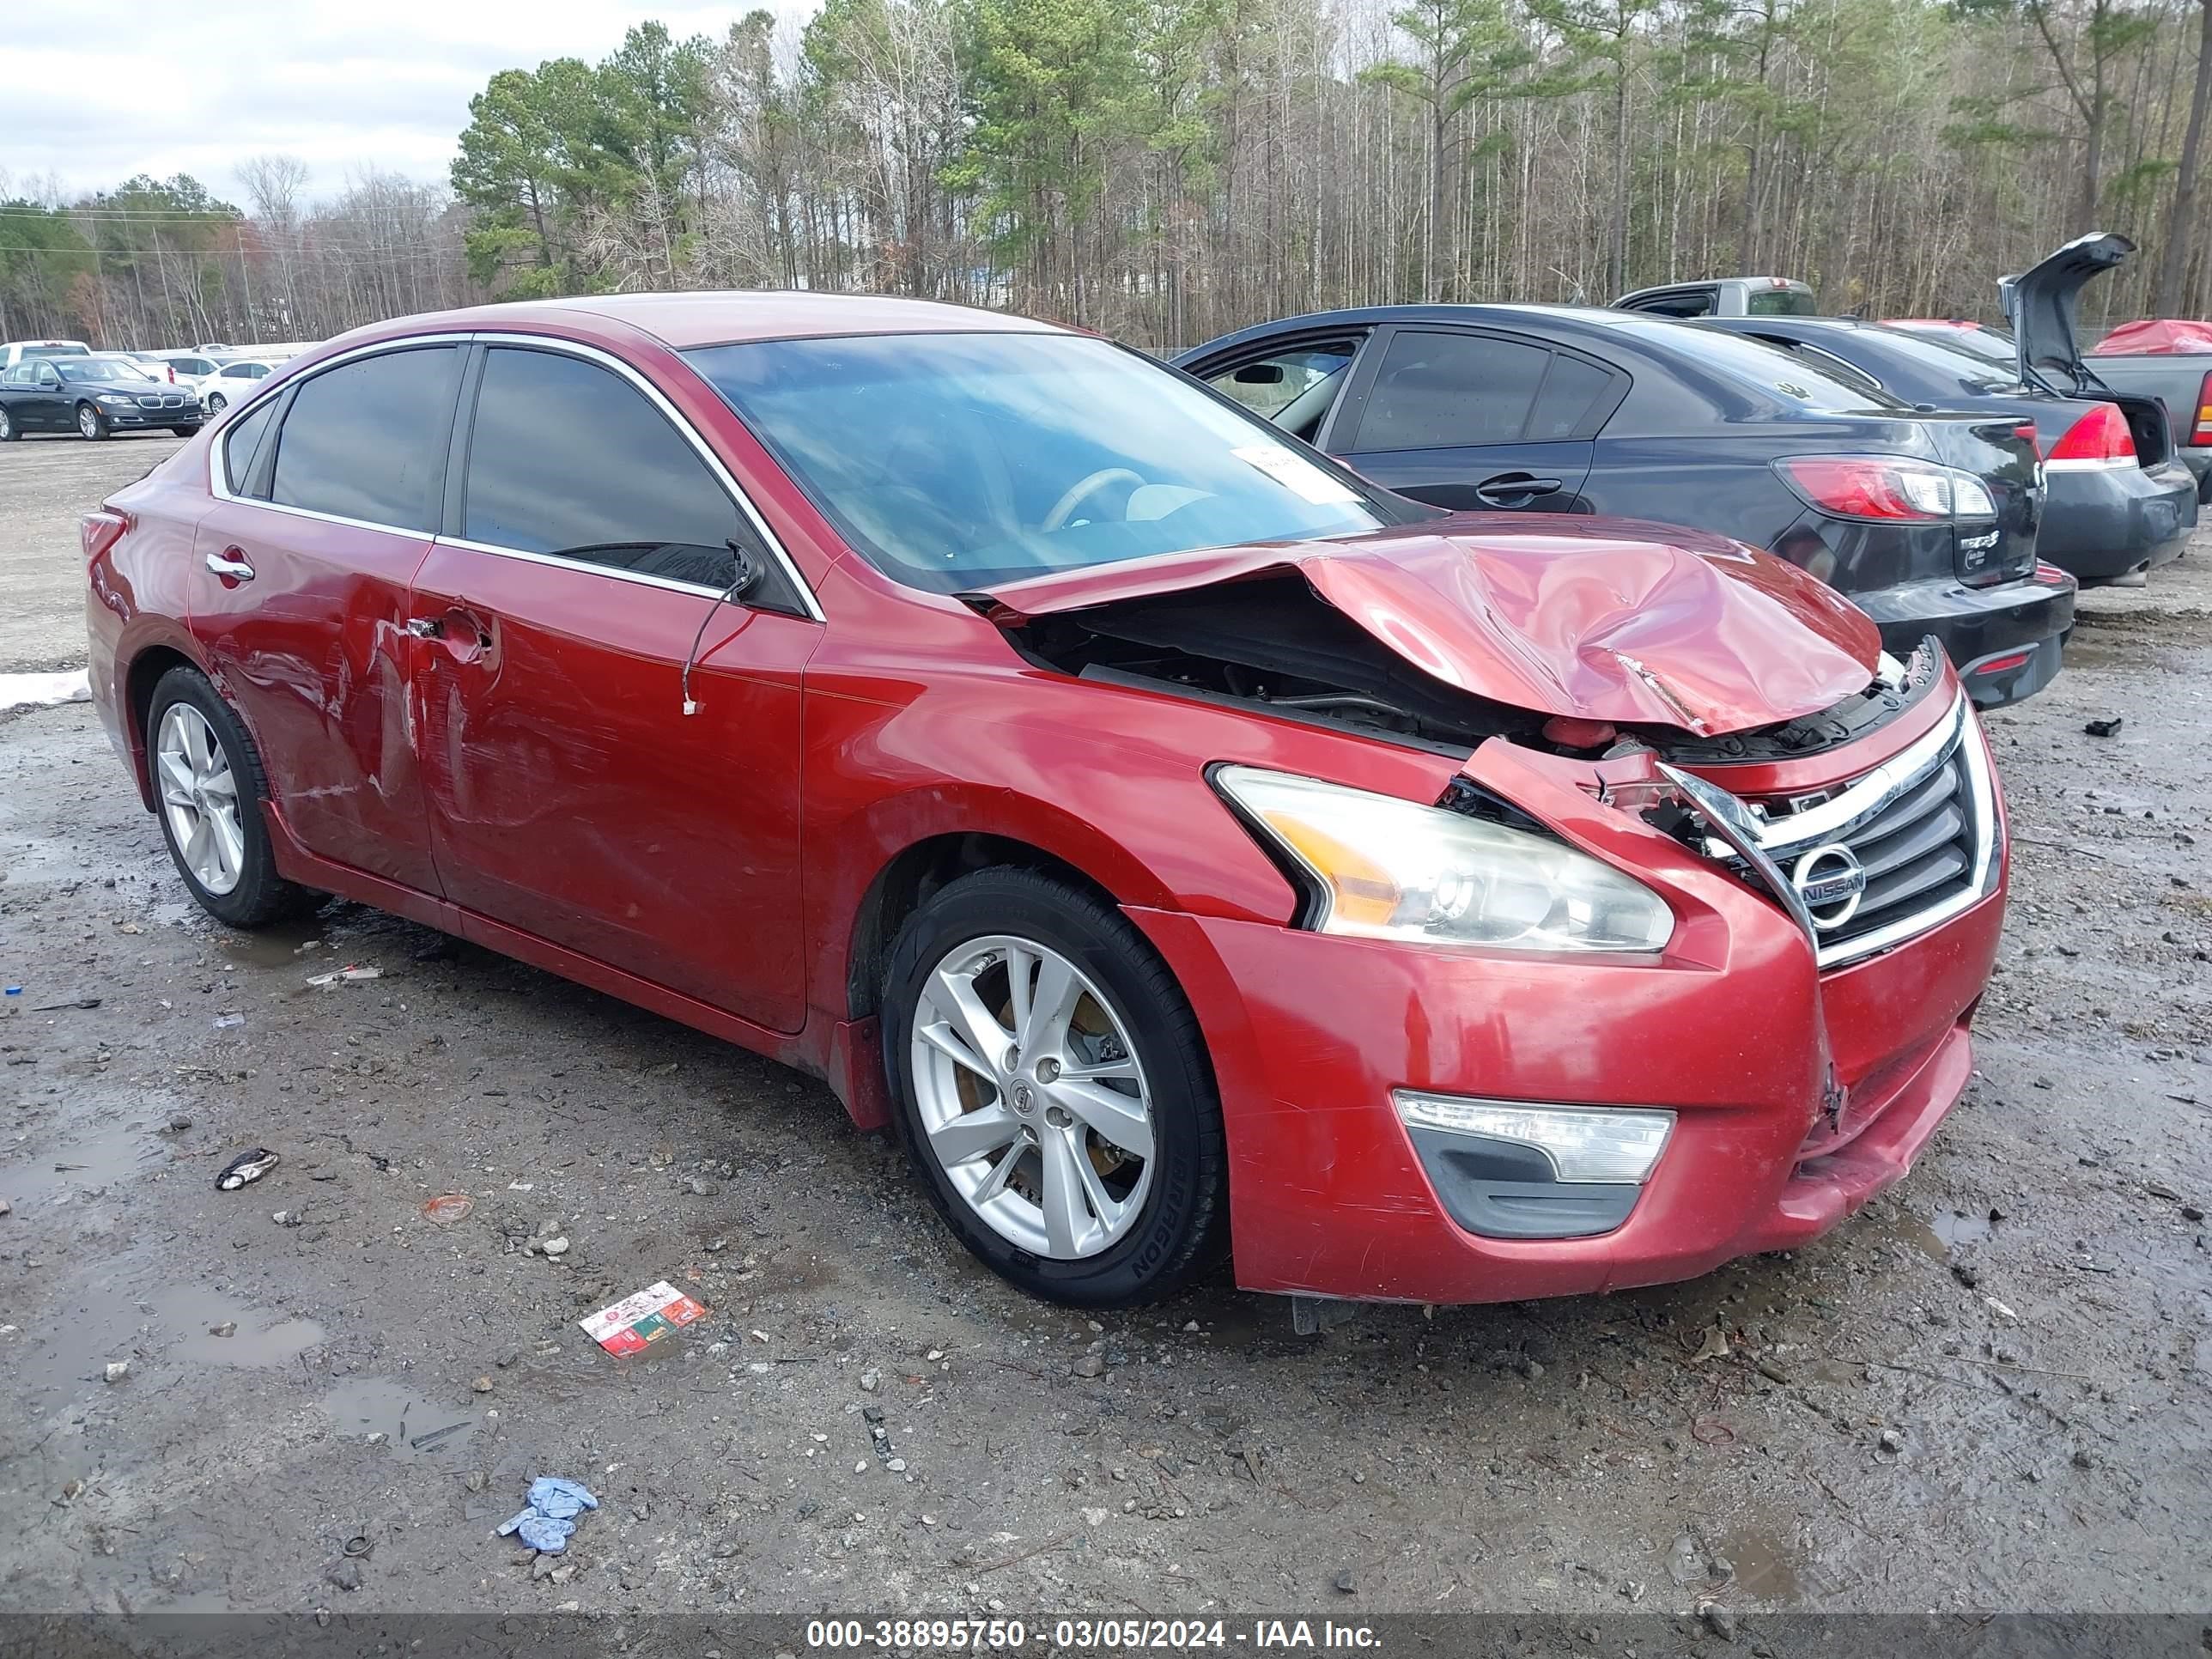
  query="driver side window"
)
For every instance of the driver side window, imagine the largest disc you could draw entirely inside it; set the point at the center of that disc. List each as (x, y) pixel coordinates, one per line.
(1294, 389)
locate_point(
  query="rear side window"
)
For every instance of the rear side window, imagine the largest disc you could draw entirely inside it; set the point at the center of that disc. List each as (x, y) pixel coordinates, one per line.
(568, 457)
(240, 441)
(1570, 391)
(367, 439)
(1451, 391)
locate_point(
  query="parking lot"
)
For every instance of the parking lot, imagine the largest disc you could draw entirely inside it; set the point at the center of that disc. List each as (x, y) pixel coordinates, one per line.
(330, 1398)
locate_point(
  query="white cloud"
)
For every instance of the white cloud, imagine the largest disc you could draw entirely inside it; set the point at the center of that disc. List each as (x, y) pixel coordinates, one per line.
(98, 93)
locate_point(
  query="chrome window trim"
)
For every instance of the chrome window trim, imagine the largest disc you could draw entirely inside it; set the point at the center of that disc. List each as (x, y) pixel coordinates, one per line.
(218, 486)
(584, 566)
(1766, 846)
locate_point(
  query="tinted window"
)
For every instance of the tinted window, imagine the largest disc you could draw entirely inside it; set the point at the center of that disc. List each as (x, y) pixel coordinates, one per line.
(1570, 389)
(1827, 362)
(1780, 303)
(239, 442)
(569, 457)
(56, 351)
(22, 374)
(1772, 368)
(1448, 390)
(1685, 302)
(367, 439)
(954, 460)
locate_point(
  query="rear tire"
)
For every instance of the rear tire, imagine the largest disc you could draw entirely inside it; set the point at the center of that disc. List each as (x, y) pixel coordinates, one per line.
(91, 424)
(200, 760)
(1115, 1200)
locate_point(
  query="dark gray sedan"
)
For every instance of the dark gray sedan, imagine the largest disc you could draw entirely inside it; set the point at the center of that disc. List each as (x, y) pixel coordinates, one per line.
(92, 396)
(2119, 503)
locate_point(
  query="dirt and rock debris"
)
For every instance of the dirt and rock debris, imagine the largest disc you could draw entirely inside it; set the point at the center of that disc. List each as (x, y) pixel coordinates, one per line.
(328, 1386)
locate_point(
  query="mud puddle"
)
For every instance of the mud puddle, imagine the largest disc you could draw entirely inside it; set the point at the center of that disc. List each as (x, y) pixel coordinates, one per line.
(410, 1424)
(80, 1168)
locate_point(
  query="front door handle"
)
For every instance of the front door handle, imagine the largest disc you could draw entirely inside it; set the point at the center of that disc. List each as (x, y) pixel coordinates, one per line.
(230, 564)
(1512, 489)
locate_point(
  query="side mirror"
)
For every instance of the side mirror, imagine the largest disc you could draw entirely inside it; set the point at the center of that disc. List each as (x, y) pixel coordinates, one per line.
(1259, 374)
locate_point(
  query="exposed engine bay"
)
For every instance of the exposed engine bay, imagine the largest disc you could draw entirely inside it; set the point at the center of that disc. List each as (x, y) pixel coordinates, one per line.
(1276, 643)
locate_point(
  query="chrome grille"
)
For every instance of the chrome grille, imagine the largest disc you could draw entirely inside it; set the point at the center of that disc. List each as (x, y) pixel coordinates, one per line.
(1920, 829)
(161, 400)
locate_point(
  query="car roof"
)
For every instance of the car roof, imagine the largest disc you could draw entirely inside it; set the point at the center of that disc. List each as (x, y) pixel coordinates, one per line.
(682, 322)
(1565, 321)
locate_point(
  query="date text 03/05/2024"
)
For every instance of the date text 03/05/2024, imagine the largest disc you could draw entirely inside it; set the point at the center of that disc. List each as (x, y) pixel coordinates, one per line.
(1087, 1635)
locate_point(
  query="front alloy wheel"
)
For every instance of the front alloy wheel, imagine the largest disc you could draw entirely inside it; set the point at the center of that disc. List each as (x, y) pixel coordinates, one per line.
(1030, 1097)
(1049, 1078)
(90, 422)
(215, 402)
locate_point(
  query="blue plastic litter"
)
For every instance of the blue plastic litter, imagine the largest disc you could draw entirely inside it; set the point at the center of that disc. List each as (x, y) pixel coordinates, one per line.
(554, 1503)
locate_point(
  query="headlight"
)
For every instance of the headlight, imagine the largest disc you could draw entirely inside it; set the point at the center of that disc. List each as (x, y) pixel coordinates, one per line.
(112, 397)
(1387, 868)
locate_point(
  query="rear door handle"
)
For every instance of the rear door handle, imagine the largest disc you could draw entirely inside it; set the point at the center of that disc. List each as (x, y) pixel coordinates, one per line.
(1510, 488)
(230, 564)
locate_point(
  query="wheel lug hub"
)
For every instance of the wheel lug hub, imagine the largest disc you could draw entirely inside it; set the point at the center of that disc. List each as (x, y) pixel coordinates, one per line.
(1057, 1118)
(1047, 1071)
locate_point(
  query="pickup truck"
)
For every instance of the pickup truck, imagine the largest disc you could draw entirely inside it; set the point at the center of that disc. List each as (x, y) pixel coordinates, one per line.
(1725, 297)
(2171, 361)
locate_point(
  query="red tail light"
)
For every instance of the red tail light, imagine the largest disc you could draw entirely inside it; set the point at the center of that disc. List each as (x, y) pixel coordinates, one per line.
(2100, 438)
(1886, 487)
(2201, 433)
(2026, 432)
(102, 528)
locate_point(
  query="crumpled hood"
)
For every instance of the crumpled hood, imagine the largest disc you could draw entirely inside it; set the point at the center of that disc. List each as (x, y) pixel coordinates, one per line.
(1600, 619)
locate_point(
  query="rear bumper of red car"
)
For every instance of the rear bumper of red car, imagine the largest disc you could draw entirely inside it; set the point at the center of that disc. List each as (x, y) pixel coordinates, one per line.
(1311, 1033)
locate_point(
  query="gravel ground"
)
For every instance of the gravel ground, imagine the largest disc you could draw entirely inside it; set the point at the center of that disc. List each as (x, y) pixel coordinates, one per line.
(2005, 1360)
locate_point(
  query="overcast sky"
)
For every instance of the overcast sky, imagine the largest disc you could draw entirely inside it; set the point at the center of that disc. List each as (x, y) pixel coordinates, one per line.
(98, 90)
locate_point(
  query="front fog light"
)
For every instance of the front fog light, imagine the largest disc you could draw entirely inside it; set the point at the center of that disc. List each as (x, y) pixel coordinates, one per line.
(1607, 1144)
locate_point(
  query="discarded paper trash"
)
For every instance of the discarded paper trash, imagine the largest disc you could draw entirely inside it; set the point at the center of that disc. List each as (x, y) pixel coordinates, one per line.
(647, 1316)
(246, 1167)
(345, 974)
(554, 1503)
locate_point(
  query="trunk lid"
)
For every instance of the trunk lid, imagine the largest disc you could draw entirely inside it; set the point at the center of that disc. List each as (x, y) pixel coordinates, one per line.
(1599, 619)
(2041, 304)
(2008, 465)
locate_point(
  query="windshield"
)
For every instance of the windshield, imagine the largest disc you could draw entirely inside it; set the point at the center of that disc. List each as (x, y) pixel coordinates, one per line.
(99, 369)
(1952, 357)
(956, 460)
(1776, 368)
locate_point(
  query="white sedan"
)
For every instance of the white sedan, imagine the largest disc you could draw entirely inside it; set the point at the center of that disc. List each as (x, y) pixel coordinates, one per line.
(234, 380)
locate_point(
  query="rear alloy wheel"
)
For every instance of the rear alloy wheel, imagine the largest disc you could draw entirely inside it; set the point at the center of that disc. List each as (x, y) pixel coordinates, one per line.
(90, 422)
(1054, 1091)
(208, 789)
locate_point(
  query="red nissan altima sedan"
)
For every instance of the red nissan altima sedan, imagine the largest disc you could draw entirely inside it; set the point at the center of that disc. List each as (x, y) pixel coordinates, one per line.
(1186, 846)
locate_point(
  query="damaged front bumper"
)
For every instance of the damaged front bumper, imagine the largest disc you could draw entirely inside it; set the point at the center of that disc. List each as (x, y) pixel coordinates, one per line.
(1797, 1082)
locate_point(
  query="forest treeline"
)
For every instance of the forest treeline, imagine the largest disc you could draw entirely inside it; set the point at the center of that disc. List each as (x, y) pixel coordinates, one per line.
(1164, 170)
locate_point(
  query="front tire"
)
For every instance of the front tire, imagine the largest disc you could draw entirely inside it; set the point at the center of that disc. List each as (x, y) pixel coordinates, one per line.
(1052, 1086)
(7, 425)
(209, 786)
(91, 424)
(216, 402)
